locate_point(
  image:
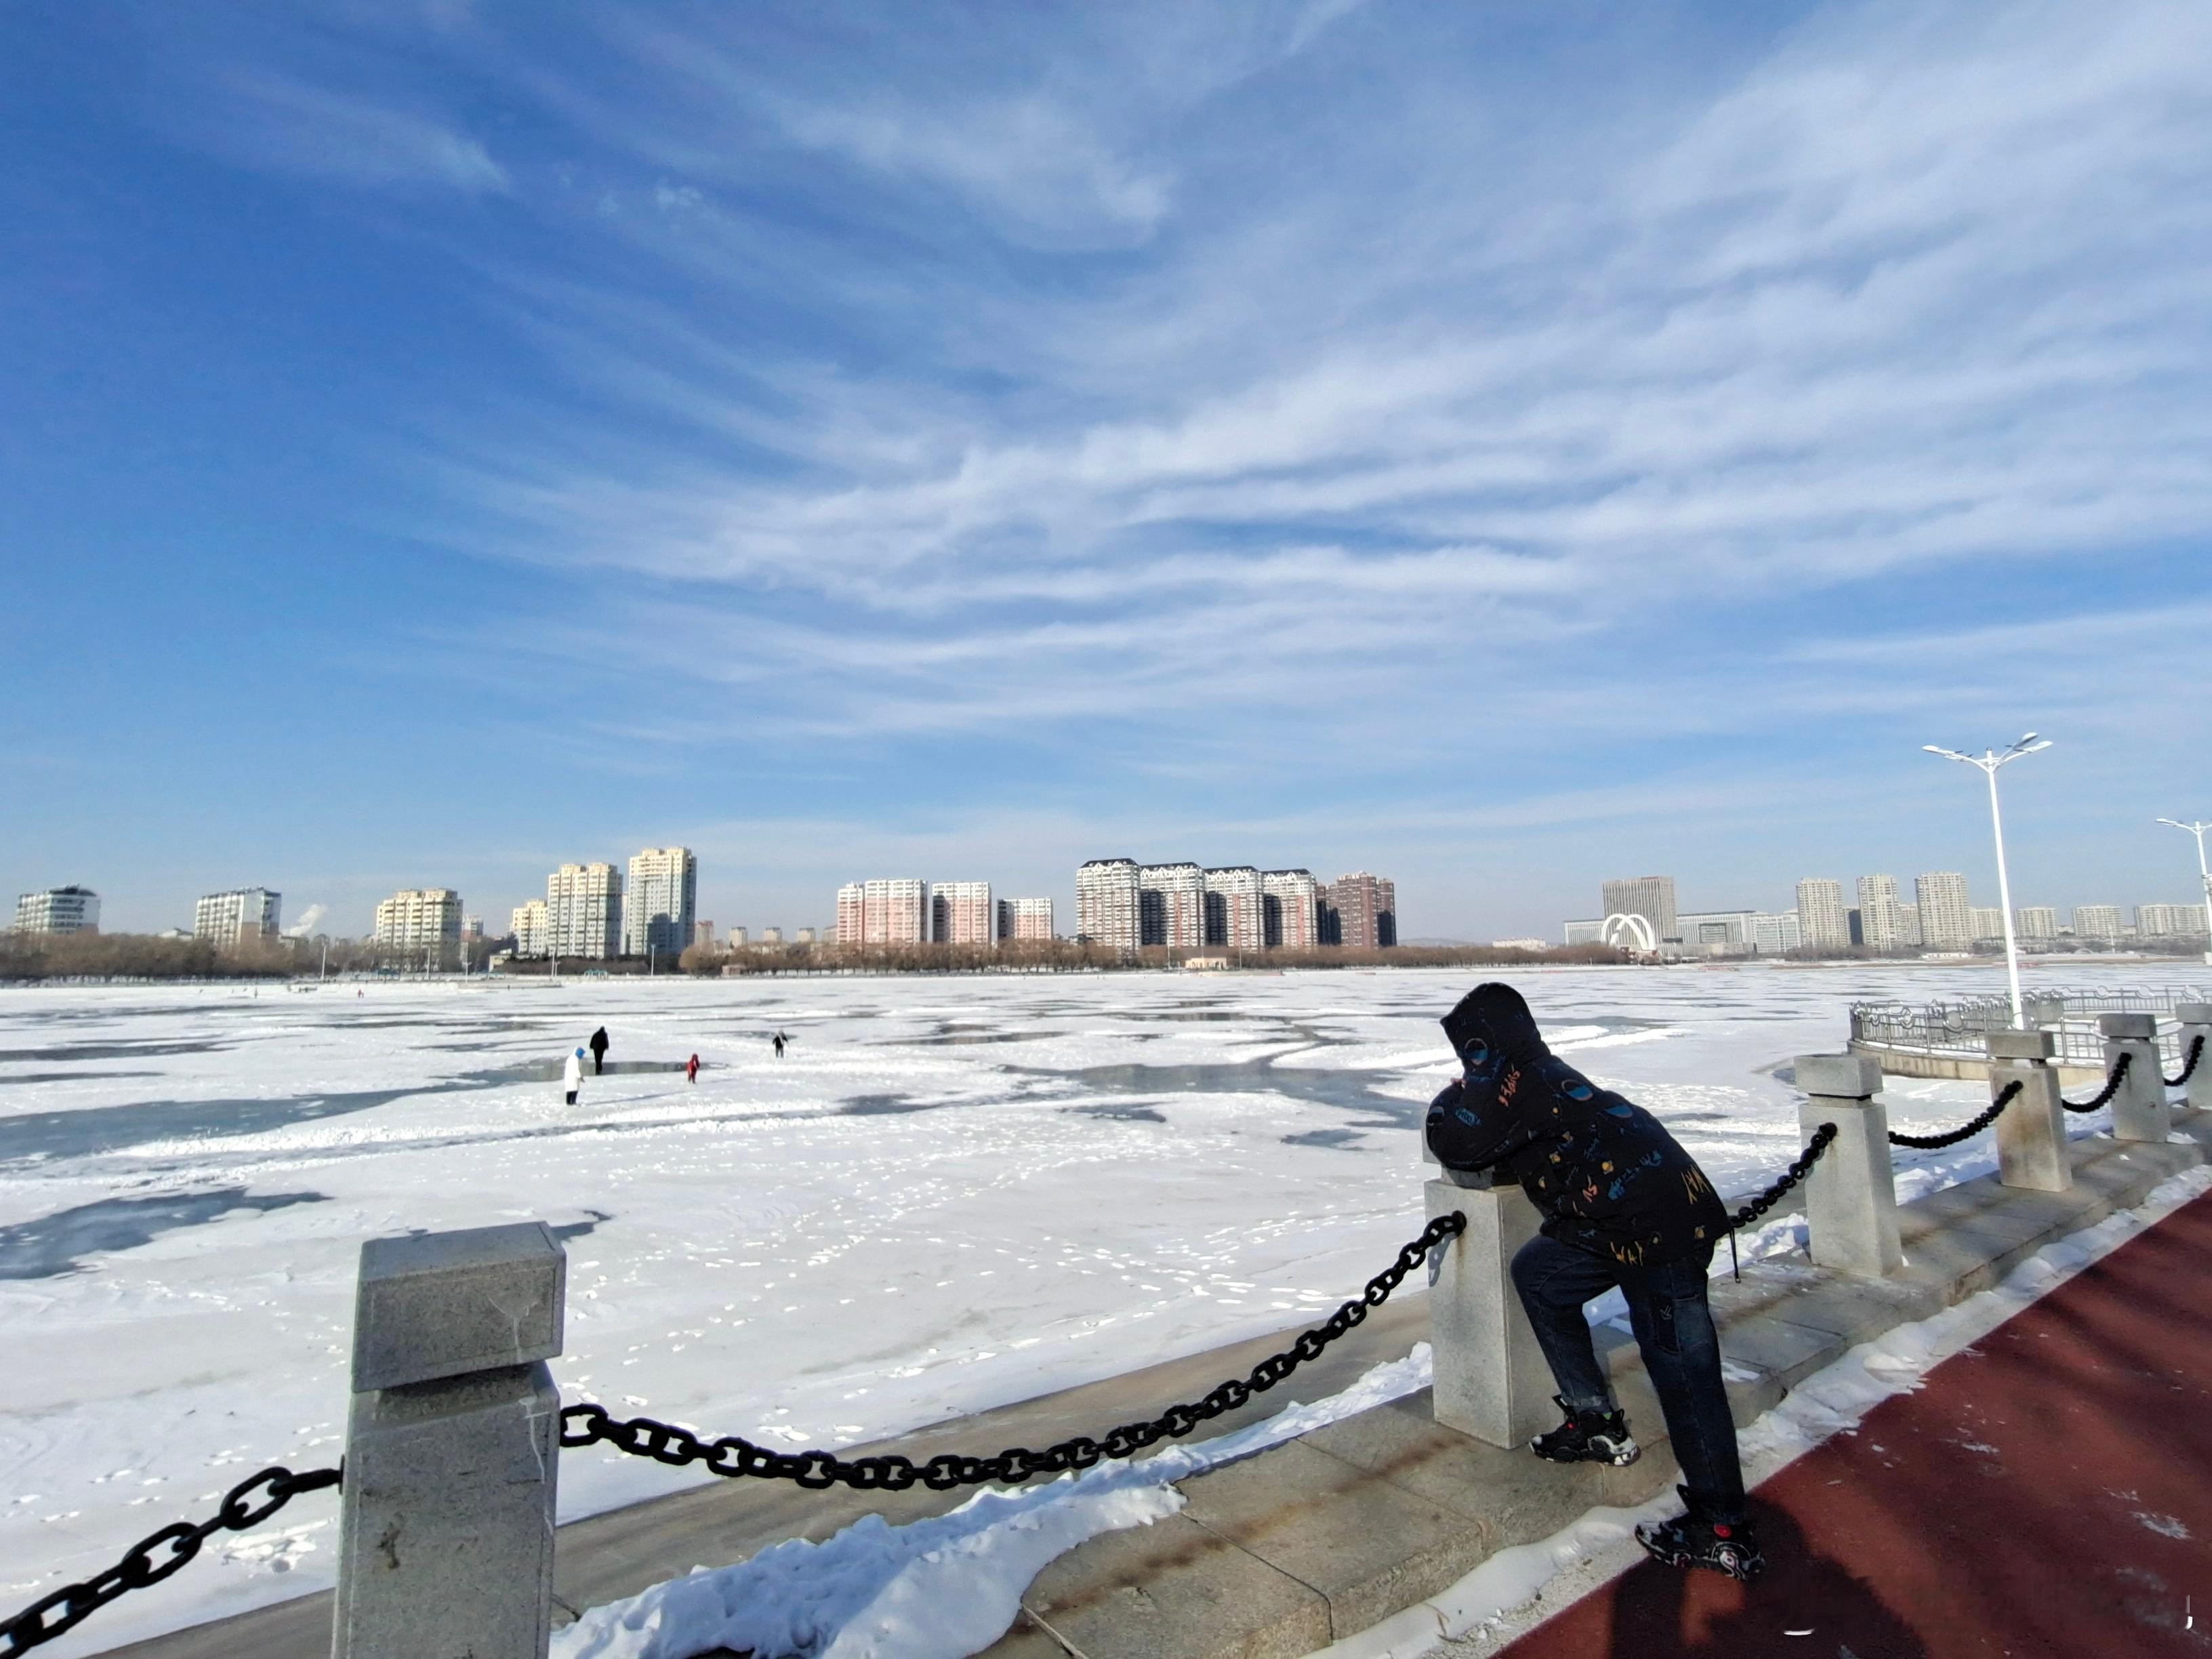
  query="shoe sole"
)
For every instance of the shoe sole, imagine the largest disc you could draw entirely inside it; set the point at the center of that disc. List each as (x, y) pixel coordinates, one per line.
(1742, 1571)
(1620, 1460)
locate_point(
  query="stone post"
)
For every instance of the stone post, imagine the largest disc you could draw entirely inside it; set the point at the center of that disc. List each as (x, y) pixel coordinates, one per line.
(1850, 1203)
(2032, 1131)
(446, 1548)
(2139, 1110)
(2196, 1022)
(2044, 1010)
(1491, 1381)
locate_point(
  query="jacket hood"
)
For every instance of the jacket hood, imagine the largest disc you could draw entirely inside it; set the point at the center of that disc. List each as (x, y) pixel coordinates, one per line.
(1492, 1023)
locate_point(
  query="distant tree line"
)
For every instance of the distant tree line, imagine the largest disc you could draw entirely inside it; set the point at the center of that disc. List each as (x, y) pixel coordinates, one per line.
(150, 956)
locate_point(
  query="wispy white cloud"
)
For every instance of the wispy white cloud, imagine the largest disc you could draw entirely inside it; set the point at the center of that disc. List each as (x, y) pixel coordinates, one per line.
(292, 126)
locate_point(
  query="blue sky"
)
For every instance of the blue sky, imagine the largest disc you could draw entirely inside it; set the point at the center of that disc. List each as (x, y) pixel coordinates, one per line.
(1500, 446)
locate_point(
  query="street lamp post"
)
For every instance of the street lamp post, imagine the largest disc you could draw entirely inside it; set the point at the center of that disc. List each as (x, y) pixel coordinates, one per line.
(1989, 760)
(2203, 874)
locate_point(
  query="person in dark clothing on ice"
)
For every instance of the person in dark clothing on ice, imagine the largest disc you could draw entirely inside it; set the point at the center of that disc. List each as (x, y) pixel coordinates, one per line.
(599, 1046)
(778, 1041)
(1623, 1204)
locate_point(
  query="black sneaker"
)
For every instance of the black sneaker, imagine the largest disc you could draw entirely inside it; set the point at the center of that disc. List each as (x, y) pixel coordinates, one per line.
(1588, 1436)
(1696, 1541)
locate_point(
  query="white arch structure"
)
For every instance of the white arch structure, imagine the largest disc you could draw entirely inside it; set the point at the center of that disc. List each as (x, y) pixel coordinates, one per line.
(1633, 931)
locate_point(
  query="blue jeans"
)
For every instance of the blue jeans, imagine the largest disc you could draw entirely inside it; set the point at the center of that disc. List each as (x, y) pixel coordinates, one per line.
(1674, 1327)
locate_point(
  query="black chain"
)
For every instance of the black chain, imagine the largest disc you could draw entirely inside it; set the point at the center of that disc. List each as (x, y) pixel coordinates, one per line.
(1790, 1176)
(2111, 1085)
(1767, 1200)
(1965, 1131)
(666, 1443)
(154, 1558)
(2189, 1065)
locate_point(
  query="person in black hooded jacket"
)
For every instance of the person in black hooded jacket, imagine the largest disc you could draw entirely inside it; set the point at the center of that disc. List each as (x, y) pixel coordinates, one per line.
(1623, 1206)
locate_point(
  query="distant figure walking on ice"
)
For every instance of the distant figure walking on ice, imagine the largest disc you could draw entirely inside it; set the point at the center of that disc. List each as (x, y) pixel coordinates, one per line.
(692, 1069)
(599, 1051)
(572, 1075)
(779, 1040)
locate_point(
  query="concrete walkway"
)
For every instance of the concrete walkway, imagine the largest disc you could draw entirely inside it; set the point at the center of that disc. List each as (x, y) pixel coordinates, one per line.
(2047, 1493)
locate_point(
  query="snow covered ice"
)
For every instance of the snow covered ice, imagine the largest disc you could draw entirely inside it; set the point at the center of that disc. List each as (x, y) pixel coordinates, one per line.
(951, 1194)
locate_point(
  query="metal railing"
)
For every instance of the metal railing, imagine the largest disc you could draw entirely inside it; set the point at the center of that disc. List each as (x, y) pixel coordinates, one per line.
(1959, 1027)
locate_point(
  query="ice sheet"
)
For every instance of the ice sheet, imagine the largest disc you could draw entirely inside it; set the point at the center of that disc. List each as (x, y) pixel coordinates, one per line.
(952, 1193)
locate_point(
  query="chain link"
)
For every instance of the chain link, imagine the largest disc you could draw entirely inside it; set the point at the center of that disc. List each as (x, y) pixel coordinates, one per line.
(2111, 1085)
(2189, 1062)
(1790, 1176)
(667, 1443)
(1965, 1131)
(154, 1558)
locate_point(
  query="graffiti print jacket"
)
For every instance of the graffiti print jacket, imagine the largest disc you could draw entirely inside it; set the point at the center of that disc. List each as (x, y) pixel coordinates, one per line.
(1606, 1174)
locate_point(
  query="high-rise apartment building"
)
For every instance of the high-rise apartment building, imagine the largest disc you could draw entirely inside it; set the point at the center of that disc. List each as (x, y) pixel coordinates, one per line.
(583, 911)
(1235, 911)
(1026, 919)
(2036, 921)
(702, 934)
(851, 914)
(2098, 924)
(1908, 927)
(1290, 905)
(533, 929)
(1881, 923)
(1947, 919)
(961, 912)
(1651, 897)
(1108, 907)
(2169, 921)
(771, 936)
(420, 918)
(1822, 921)
(1989, 924)
(59, 910)
(894, 910)
(473, 930)
(1366, 911)
(660, 902)
(1172, 905)
(243, 916)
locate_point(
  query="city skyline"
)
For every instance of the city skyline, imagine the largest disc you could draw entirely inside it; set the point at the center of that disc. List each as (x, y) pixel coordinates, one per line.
(909, 444)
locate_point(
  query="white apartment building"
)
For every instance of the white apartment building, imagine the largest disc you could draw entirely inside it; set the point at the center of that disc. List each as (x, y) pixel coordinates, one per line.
(739, 939)
(1235, 908)
(805, 936)
(1108, 907)
(1172, 905)
(1989, 924)
(471, 928)
(1026, 919)
(2169, 921)
(1821, 918)
(851, 914)
(59, 910)
(420, 918)
(583, 911)
(2099, 924)
(961, 912)
(532, 927)
(226, 918)
(1946, 919)
(1290, 905)
(1881, 926)
(1908, 926)
(660, 902)
(2036, 921)
(771, 936)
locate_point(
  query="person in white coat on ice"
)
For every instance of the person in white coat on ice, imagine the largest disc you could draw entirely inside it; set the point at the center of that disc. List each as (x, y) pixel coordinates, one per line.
(572, 1075)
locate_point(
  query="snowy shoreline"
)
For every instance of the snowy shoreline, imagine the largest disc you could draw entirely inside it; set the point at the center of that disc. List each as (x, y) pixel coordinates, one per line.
(952, 1195)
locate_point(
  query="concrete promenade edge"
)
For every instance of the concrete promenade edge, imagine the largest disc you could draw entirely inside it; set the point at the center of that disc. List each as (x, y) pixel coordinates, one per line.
(1327, 1535)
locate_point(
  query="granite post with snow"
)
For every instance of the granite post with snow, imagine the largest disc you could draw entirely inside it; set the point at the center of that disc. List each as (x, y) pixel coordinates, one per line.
(2139, 1109)
(453, 1448)
(2032, 1131)
(1491, 1381)
(2196, 1019)
(1850, 1197)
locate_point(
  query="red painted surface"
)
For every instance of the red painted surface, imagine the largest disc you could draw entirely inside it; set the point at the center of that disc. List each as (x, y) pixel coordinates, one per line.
(2046, 1494)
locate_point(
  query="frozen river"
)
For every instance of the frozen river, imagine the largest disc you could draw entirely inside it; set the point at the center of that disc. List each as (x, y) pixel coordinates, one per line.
(948, 1195)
